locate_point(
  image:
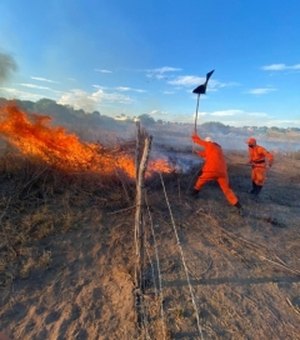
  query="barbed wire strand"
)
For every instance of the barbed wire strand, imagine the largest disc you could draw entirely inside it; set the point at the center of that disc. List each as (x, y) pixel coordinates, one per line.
(143, 285)
(182, 257)
(152, 270)
(146, 305)
(161, 297)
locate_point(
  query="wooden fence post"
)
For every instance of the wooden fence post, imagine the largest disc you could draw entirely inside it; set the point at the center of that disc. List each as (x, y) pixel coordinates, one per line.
(138, 225)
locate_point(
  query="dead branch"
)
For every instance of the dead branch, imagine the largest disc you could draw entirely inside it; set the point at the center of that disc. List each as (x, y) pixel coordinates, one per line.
(121, 210)
(256, 248)
(292, 306)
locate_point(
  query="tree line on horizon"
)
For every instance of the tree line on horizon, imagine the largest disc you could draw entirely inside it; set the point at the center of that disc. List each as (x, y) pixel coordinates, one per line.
(80, 120)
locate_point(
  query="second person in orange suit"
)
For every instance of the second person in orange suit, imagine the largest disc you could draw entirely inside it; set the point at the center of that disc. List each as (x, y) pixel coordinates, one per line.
(214, 169)
(259, 158)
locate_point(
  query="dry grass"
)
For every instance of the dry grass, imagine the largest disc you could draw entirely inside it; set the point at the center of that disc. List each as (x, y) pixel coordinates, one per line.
(66, 268)
(38, 201)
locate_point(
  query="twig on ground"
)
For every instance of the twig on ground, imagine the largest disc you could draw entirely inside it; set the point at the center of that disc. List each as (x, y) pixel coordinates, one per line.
(121, 210)
(294, 271)
(293, 307)
(206, 270)
(256, 247)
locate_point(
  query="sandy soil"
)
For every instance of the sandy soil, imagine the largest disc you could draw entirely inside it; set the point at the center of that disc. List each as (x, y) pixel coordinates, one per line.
(77, 282)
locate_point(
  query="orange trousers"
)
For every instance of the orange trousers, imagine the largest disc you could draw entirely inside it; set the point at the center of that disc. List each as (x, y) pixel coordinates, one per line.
(222, 181)
(258, 175)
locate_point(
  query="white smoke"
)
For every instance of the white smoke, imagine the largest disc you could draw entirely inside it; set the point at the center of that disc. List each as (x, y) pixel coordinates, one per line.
(7, 66)
(90, 101)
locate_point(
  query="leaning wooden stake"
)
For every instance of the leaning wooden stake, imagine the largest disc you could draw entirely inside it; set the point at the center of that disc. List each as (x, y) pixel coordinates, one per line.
(138, 148)
(138, 228)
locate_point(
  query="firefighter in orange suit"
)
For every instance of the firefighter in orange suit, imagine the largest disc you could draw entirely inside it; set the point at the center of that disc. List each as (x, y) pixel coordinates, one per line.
(214, 169)
(259, 158)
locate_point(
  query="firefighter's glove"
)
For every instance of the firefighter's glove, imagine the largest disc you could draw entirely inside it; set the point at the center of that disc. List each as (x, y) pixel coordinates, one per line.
(195, 138)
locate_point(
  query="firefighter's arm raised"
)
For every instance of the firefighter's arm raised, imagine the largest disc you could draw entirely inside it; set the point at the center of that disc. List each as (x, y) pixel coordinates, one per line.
(196, 139)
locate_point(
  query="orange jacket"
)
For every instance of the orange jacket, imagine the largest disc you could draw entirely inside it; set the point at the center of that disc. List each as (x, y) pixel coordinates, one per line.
(258, 156)
(213, 155)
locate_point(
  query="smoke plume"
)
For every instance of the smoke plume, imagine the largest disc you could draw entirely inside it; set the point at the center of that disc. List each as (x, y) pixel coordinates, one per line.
(7, 66)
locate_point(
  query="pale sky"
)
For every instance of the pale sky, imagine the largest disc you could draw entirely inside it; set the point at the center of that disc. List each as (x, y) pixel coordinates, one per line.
(134, 57)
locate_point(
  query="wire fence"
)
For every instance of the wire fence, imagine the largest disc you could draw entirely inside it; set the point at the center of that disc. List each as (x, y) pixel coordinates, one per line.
(149, 234)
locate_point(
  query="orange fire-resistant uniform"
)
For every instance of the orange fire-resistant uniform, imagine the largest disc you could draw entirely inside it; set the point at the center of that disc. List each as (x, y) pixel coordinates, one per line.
(258, 157)
(214, 168)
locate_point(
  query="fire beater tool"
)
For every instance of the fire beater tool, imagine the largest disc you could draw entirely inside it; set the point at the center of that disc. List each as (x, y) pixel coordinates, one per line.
(201, 89)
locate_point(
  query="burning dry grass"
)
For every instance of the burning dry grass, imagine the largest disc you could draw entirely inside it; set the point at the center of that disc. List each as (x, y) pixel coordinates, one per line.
(33, 136)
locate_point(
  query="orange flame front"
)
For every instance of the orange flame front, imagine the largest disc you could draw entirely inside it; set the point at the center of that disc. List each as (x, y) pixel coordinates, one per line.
(56, 147)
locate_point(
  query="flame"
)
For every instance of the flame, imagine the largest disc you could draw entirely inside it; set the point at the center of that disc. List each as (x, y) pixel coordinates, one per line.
(159, 165)
(34, 137)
